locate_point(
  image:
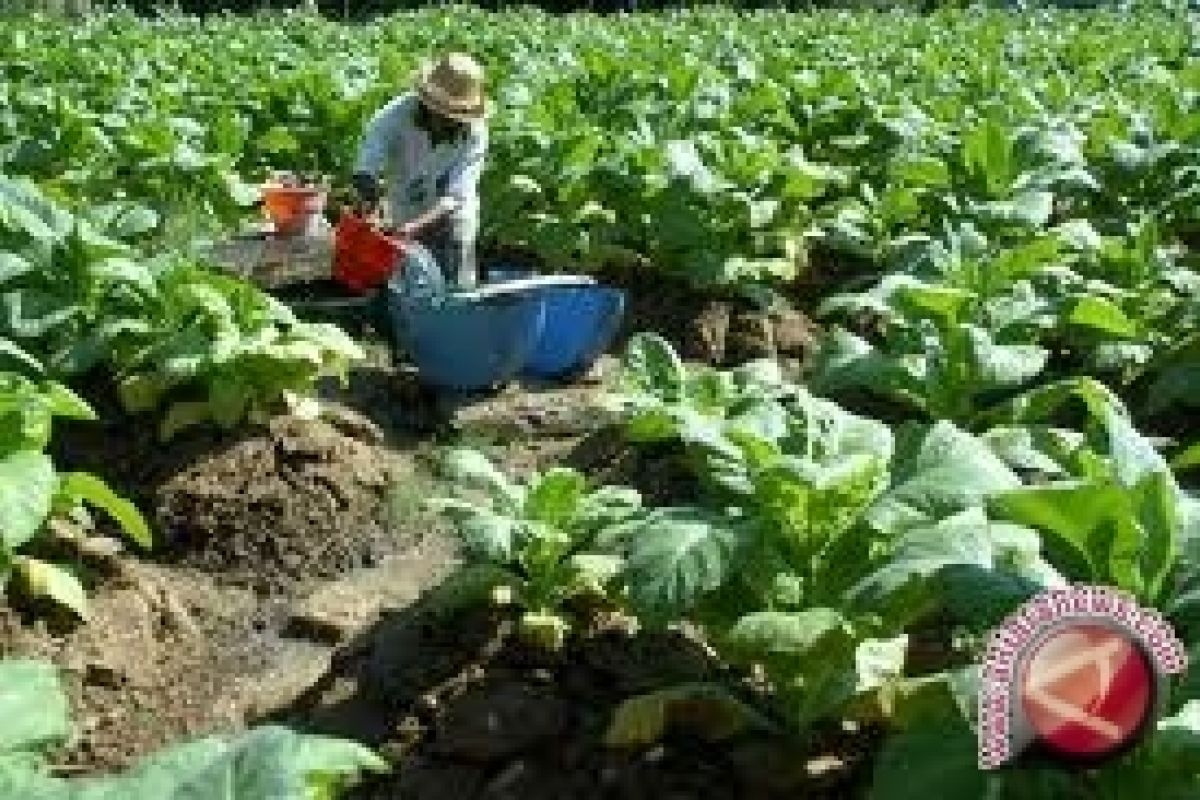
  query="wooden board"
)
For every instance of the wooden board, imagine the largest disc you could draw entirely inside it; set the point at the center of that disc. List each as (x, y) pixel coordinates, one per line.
(271, 261)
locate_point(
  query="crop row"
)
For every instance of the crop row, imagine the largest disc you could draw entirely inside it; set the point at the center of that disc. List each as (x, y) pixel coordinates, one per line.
(724, 147)
(816, 543)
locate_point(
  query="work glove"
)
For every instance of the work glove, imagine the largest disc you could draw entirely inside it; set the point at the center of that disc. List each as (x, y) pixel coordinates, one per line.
(366, 186)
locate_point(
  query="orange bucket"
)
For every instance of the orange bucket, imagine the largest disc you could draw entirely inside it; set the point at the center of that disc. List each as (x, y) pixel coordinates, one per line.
(363, 257)
(291, 207)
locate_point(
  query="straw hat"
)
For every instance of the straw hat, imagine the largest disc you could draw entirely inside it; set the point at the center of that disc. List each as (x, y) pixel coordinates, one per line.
(453, 87)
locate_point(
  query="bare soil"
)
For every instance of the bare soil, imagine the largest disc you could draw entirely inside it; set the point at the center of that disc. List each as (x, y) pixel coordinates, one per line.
(297, 575)
(465, 711)
(269, 508)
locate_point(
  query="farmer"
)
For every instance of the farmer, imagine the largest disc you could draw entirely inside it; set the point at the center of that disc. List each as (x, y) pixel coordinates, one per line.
(432, 141)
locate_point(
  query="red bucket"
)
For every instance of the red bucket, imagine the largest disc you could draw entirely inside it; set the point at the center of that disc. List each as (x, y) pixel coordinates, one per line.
(363, 257)
(291, 207)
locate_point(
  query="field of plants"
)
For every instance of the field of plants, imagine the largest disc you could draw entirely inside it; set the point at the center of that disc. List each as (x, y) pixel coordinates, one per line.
(914, 334)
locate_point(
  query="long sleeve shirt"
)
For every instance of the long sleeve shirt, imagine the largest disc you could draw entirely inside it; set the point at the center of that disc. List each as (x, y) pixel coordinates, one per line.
(421, 174)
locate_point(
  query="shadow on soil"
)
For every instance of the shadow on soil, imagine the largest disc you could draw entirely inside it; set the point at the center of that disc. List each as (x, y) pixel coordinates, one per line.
(462, 709)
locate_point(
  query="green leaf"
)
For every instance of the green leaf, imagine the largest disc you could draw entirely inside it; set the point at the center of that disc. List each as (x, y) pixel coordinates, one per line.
(988, 153)
(912, 761)
(1157, 510)
(555, 496)
(1188, 458)
(608, 506)
(32, 314)
(24, 209)
(1026, 260)
(62, 402)
(978, 570)
(1028, 209)
(42, 579)
(486, 536)
(593, 572)
(1080, 235)
(131, 221)
(1039, 405)
(676, 556)
(1102, 316)
(23, 359)
(183, 415)
(706, 710)
(944, 303)
(265, 762)
(13, 266)
(1003, 364)
(1090, 530)
(845, 361)
(1180, 732)
(143, 392)
(1025, 448)
(790, 635)
(82, 486)
(947, 471)
(33, 706)
(473, 469)
(925, 551)
(278, 140)
(27, 487)
(651, 366)
(811, 657)
(944, 699)
(923, 171)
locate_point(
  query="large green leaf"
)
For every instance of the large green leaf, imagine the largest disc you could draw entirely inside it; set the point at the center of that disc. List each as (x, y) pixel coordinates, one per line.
(785, 635)
(677, 555)
(486, 536)
(813, 658)
(33, 706)
(1091, 530)
(960, 540)
(27, 487)
(988, 153)
(975, 569)
(943, 471)
(1003, 364)
(267, 762)
(940, 755)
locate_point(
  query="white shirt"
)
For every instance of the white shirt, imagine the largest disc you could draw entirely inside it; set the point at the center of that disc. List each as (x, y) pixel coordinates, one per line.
(421, 173)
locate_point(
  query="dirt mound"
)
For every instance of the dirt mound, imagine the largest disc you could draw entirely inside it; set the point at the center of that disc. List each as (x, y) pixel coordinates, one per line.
(267, 507)
(721, 332)
(297, 501)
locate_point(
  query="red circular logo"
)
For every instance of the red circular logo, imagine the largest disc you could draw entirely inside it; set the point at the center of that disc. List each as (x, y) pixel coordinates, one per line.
(1087, 691)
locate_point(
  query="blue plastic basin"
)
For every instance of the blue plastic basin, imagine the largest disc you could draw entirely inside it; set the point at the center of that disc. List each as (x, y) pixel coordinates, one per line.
(581, 322)
(468, 346)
